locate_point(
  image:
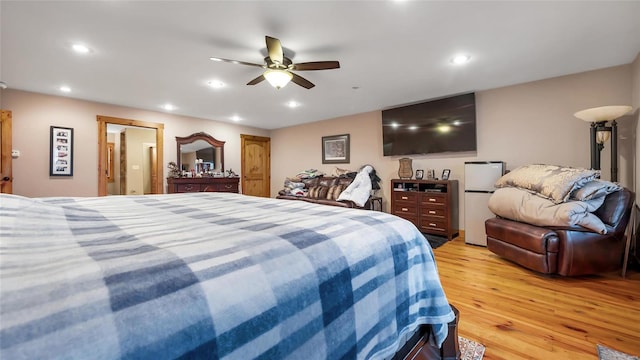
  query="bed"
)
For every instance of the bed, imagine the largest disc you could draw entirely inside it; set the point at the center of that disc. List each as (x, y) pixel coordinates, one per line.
(211, 275)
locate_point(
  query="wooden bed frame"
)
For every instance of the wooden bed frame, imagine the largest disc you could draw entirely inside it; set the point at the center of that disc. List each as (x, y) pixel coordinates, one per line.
(418, 347)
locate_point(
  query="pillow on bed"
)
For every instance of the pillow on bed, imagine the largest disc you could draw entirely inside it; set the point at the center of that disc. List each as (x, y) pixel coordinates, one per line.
(318, 192)
(334, 191)
(549, 181)
(595, 189)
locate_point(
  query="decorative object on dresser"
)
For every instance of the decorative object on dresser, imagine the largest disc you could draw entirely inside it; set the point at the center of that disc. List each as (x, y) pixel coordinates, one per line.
(201, 166)
(405, 171)
(431, 205)
(419, 174)
(445, 174)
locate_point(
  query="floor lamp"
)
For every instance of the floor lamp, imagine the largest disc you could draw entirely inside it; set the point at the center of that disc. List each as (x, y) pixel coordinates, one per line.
(601, 132)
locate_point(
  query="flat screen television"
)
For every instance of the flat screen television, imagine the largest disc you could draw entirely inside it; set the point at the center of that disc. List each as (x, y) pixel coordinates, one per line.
(438, 126)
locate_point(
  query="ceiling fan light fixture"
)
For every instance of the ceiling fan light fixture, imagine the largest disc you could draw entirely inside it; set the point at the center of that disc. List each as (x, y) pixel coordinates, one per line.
(278, 78)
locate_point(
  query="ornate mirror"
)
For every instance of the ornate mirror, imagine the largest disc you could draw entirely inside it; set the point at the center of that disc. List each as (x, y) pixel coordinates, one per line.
(200, 152)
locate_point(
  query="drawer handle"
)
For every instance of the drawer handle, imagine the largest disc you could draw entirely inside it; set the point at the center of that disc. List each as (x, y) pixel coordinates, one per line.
(432, 224)
(432, 199)
(405, 209)
(188, 187)
(405, 198)
(431, 212)
(228, 186)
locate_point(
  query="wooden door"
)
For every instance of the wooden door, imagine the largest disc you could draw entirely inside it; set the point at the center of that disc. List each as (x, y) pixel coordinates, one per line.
(256, 165)
(6, 176)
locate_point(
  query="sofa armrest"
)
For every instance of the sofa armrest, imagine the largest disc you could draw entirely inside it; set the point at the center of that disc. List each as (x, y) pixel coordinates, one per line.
(536, 238)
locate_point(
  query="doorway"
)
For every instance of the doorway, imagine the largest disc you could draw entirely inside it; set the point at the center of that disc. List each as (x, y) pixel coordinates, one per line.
(150, 156)
(256, 165)
(6, 175)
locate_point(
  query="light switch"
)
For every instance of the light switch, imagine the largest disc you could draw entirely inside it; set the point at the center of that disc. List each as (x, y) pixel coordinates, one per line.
(15, 154)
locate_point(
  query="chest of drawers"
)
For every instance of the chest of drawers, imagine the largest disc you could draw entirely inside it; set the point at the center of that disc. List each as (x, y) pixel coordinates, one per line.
(183, 185)
(431, 205)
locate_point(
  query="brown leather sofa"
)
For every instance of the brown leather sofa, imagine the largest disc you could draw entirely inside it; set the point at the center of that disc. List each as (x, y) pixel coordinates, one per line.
(325, 190)
(568, 251)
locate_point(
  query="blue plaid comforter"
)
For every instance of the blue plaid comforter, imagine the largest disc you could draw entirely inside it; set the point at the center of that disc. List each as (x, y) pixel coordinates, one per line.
(210, 275)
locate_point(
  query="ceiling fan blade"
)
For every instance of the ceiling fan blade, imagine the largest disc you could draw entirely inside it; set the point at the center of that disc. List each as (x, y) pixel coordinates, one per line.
(257, 80)
(302, 81)
(236, 62)
(275, 50)
(316, 65)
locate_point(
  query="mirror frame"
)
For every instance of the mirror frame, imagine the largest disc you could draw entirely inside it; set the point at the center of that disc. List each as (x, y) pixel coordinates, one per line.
(199, 136)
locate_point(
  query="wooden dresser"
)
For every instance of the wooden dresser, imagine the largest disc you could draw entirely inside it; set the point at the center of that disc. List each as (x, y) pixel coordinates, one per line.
(431, 205)
(183, 185)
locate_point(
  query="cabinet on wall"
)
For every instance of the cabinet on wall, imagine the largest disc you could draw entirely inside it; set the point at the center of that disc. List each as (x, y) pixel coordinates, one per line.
(431, 205)
(211, 184)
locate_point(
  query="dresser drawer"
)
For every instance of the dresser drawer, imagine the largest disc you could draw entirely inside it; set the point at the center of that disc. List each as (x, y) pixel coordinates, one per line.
(405, 196)
(439, 199)
(224, 187)
(406, 209)
(434, 212)
(183, 188)
(433, 225)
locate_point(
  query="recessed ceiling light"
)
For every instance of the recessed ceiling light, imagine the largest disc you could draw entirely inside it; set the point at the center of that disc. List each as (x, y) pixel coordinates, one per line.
(216, 84)
(81, 49)
(65, 89)
(168, 107)
(236, 118)
(214, 59)
(413, 127)
(395, 125)
(460, 59)
(292, 104)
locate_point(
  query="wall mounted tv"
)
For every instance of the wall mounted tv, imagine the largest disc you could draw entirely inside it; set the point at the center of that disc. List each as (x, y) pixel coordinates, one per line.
(438, 126)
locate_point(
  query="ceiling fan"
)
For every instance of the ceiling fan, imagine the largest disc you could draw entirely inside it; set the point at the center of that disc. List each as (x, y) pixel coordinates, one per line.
(279, 67)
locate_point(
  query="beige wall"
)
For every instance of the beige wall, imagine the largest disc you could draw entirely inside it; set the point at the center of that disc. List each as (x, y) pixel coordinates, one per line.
(34, 113)
(521, 124)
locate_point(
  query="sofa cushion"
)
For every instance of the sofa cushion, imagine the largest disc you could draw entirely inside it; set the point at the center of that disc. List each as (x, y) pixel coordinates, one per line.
(334, 191)
(318, 192)
(550, 181)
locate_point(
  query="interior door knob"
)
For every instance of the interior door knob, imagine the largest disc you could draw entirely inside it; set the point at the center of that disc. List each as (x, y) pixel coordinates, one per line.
(6, 178)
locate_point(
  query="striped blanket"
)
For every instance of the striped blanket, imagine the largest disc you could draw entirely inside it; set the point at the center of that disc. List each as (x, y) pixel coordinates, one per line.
(210, 275)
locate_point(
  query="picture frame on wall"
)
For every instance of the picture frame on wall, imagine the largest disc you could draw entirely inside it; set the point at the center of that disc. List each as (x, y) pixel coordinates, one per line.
(61, 151)
(335, 149)
(419, 174)
(445, 174)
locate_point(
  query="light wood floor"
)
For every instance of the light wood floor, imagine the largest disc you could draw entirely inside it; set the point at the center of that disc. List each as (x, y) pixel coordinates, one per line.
(520, 314)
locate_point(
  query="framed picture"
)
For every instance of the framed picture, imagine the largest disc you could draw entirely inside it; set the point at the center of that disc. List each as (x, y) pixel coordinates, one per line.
(419, 174)
(61, 152)
(335, 149)
(431, 174)
(445, 174)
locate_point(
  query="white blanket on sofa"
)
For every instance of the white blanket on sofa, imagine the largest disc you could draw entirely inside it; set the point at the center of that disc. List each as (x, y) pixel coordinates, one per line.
(524, 206)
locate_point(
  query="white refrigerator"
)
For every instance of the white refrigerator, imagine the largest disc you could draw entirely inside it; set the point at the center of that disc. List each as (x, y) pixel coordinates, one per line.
(479, 180)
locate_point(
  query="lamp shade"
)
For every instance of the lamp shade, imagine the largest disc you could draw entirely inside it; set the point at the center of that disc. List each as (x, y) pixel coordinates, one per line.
(278, 78)
(603, 113)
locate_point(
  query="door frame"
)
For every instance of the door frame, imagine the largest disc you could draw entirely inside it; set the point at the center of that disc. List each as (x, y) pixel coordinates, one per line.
(102, 149)
(6, 168)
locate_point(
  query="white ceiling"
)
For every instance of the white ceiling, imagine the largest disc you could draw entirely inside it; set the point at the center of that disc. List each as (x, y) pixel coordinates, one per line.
(145, 54)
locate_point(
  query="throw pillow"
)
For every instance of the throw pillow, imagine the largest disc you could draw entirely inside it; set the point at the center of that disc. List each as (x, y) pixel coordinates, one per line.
(595, 189)
(549, 181)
